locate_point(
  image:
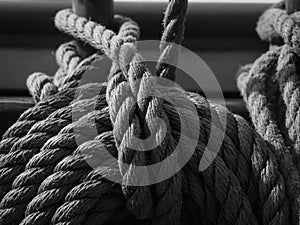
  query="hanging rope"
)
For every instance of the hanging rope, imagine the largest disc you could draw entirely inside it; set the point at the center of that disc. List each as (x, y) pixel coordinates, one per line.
(53, 183)
(270, 88)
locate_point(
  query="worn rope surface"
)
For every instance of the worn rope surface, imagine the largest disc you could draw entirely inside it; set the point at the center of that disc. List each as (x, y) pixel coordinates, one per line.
(54, 183)
(270, 88)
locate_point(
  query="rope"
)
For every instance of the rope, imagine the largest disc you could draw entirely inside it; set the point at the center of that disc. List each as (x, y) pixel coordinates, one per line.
(270, 89)
(139, 204)
(67, 59)
(40, 86)
(46, 129)
(49, 180)
(97, 41)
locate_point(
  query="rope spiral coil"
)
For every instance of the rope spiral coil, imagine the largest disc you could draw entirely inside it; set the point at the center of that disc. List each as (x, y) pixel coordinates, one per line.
(47, 179)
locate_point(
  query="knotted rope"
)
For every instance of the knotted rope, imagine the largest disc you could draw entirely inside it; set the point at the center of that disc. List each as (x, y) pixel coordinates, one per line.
(55, 184)
(270, 88)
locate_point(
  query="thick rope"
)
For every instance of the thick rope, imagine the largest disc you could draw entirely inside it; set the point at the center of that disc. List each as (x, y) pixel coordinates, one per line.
(9, 150)
(276, 23)
(67, 59)
(45, 134)
(271, 91)
(98, 41)
(14, 139)
(40, 86)
(243, 185)
(142, 205)
(33, 170)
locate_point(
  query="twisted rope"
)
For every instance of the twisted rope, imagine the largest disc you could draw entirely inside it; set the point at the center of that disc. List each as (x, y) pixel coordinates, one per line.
(40, 86)
(271, 91)
(276, 23)
(101, 38)
(47, 129)
(99, 41)
(243, 185)
(67, 59)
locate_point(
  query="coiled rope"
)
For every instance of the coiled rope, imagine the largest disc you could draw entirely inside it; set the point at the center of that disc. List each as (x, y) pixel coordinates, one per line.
(55, 184)
(38, 135)
(270, 88)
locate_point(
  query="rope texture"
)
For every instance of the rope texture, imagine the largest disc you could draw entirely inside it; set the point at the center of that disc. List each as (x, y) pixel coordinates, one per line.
(270, 87)
(142, 210)
(40, 134)
(45, 175)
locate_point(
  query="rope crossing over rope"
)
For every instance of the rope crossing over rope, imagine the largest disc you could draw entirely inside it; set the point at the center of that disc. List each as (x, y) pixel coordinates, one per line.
(45, 175)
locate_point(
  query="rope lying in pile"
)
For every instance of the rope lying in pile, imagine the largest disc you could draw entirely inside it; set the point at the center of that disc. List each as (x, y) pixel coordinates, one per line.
(45, 175)
(270, 88)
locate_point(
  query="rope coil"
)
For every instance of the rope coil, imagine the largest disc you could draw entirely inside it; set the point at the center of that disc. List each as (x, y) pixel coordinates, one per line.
(270, 89)
(55, 184)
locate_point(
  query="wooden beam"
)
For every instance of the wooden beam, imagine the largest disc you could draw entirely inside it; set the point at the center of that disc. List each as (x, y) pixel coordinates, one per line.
(100, 11)
(292, 6)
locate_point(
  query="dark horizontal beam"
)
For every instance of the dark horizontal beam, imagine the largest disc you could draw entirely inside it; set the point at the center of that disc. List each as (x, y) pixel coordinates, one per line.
(204, 19)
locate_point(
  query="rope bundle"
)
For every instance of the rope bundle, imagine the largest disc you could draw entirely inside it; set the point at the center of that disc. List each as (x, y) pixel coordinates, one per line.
(45, 175)
(270, 88)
